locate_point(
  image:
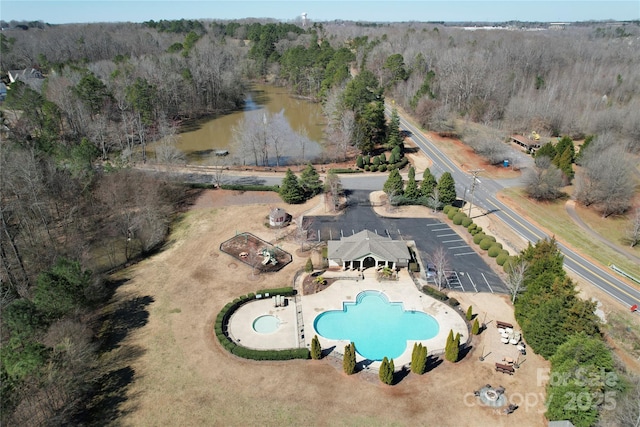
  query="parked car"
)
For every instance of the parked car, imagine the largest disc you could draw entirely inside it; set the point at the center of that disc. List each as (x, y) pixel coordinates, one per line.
(431, 270)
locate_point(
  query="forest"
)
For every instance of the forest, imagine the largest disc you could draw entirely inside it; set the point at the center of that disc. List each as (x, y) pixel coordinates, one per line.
(73, 210)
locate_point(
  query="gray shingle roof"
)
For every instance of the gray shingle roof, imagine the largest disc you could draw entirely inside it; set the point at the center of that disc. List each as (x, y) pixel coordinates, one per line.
(365, 243)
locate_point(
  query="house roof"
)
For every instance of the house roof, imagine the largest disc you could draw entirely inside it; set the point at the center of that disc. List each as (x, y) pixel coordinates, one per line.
(367, 243)
(525, 141)
(277, 213)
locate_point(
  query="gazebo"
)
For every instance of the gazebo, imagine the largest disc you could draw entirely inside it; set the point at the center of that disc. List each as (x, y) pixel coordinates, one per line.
(278, 217)
(367, 249)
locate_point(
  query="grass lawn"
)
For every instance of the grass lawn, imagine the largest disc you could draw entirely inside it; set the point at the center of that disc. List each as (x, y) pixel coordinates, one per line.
(553, 217)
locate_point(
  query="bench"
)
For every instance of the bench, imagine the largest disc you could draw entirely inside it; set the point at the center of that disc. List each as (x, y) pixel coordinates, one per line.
(505, 369)
(503, 325)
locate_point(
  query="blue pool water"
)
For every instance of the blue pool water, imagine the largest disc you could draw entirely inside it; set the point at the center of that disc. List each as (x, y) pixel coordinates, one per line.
(377, 327)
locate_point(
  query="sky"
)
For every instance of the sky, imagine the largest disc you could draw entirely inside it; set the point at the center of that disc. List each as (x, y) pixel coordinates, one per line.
(86, 11)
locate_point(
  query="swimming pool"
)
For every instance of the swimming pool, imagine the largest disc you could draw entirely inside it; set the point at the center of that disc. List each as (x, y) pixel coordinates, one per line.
(377, 327)
(266, 324)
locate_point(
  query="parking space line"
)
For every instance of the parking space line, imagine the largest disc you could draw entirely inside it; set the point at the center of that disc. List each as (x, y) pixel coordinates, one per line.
(445, 235)
(436, 224)
(474, 285)
(458, 281)
(464, 253)
(487, 282)
(435, 230)
(449, 241)
(458, 247)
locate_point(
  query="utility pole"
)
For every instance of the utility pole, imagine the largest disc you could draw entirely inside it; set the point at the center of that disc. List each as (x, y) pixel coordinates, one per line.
(475, 173)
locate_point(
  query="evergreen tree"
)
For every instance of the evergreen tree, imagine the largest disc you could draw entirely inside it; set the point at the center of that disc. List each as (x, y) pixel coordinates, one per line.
(310, 181)
(452, 347)
(470, 312)
(360, 162)
(316, 349)
(428, 183)
(446, 189)
(308, 267)
(291, 191)
(349, 360)
(548, 150)
(394, 136)
(411, 191)
(386, 371)
(419, 359)
(394, 185)
(475, 329)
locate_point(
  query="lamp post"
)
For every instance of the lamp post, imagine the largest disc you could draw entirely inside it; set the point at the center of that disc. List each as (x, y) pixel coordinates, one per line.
(475, 179)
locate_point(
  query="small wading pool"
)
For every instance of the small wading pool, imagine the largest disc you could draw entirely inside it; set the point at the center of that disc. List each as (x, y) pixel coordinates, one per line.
(266, 324)
(377, 327)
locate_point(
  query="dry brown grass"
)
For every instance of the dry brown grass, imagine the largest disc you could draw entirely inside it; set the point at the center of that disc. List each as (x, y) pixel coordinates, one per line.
(183, 377)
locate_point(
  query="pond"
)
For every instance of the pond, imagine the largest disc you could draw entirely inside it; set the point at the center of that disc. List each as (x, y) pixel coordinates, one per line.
(303, 126)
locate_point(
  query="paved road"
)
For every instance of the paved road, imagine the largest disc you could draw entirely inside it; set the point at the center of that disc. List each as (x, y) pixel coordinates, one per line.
(485, 197)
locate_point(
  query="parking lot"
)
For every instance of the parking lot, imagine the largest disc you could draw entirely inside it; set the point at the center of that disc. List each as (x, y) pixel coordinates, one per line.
(469, 272)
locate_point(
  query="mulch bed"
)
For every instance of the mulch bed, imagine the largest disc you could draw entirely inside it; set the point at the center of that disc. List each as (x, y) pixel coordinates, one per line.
(248, 248)
(310, 286)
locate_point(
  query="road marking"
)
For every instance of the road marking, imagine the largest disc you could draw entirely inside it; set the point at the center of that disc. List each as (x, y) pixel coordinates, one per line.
(459, 247)
(474, 285)
(435, 224)
(445, 235)
(435, 230)
(455, 240)
(465, 253)
(487, 282)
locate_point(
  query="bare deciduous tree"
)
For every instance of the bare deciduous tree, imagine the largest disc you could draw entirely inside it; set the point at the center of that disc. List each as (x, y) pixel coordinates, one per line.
(606, 179)
(544, 180)
(441, 263)
(515, 278)
(633, 231)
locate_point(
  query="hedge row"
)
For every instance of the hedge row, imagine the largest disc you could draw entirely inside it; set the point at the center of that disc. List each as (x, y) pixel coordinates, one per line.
(250, 187)
(345, 170)
(485, 241)
(222, 322)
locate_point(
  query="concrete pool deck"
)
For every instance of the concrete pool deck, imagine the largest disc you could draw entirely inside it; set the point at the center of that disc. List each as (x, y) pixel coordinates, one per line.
(309, 306)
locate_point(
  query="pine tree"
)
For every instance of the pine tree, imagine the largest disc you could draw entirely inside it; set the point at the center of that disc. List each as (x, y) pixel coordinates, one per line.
(446, 189)
(310, 181)
(316, 348)
(290, 190)
(411, 191)
(475, 329)
(360, 162)
(394, 137)
(386, 371)
(308, 267)
(428, 183)
(349, 360)
(470, 312)
(393, 185)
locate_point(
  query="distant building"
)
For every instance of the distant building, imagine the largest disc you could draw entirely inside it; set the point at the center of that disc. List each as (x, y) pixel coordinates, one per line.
(557, 25)
(31, 76)
(278, 217)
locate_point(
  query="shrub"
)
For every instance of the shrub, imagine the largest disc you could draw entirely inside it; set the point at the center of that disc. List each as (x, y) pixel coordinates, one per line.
(446, 209)
(478, 238)
(382, 168)
(467, 222)
(478, 229)
(486, 243)
(345, 170)
(251, 187)
(469, 314)
(457, 218)
(475, 329)
(386, 371)
(360, 162)
(494, 251)
(349, 359)
(472, 227)
(414, 267)
(434, 293)
(418, 358)
(453, 302)
(367, 167)
(452, 213)
(308, 267)
(316, 349)
(509, 263)
(502, 258)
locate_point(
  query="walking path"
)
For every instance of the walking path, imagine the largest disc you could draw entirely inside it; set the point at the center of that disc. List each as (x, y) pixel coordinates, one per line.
(570, 206)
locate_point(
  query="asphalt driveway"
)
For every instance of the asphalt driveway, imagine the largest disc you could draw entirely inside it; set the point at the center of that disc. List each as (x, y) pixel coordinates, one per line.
(469, 272)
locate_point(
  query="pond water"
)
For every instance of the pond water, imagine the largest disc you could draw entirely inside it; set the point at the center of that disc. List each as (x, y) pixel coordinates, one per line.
(200, 139)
